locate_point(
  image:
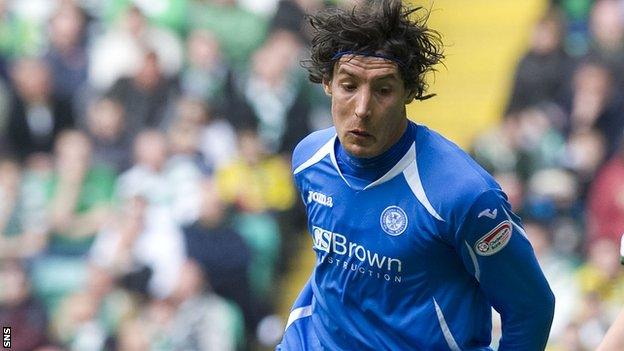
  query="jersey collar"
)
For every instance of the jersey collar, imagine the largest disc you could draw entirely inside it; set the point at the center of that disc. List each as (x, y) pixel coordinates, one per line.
(398, 168)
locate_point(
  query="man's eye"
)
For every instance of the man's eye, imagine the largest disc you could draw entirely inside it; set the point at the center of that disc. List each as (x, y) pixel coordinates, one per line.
(349, 87)
(385, 91)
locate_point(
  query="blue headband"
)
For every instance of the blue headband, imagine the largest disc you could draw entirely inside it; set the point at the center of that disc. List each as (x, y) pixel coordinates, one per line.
(339, 54)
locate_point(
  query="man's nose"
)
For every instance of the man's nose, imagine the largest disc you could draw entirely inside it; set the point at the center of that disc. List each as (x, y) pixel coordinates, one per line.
(363, 103)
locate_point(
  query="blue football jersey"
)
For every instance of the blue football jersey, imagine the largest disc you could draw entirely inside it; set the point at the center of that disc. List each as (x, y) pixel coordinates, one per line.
(416, 259)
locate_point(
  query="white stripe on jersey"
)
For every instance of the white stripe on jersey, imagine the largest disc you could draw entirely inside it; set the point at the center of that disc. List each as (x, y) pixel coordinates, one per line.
(450, 340)
(477, 274)
(319, 155)
(413, 180)
(299, 313)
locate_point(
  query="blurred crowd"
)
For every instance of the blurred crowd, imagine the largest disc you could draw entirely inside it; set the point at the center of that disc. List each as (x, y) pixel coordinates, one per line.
(558, 152)
(146, 200)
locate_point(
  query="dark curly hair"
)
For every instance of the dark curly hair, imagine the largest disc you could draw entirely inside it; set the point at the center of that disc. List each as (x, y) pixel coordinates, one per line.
(382, 28)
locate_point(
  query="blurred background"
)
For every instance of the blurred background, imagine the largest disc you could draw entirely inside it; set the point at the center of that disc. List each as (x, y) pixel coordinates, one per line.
(146, 200)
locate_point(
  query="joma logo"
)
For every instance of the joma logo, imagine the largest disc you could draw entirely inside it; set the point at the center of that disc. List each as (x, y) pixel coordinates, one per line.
(320, 198)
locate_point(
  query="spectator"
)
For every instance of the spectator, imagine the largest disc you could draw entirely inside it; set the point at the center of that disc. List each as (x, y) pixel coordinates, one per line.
(601, 277)
(290, 15)
(19, 236)
(77, 325)
(105, 127)
(261, 200)
(116, 304)
(203, 320)
(20, 310)
(559, 271)
(525, 142)
(129, 39)
(557, 187)
(206, 74)
(143, 247)
(543, 72)
(185, 170)
(150, 329)
(87, 319)
(497, 149)
(605, 205)
(267, 186)
(606, 25)
(36, 116)
(272, 94)
(553, 196)
(147, 174)
(67, 54)
(217, 140)
(81, 195)
(222, 253)
(238, 31)
(540, 143)
(585, 155)
(20, 37)
(592, 321)
(147, 97)
(595, 103)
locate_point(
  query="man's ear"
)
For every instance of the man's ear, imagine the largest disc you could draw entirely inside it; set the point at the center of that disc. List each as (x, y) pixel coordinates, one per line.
(327, 87)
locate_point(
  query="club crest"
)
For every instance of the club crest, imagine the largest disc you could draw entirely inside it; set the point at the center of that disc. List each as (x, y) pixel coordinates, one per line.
(393, 220)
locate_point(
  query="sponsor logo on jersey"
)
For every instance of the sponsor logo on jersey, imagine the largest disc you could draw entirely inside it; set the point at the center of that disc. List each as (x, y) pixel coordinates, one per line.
(322, 238)
(347, 254)
(320, 198)
(495, 240)
(393, 220)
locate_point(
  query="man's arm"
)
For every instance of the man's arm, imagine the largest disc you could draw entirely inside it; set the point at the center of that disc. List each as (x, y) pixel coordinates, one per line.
(495, 250)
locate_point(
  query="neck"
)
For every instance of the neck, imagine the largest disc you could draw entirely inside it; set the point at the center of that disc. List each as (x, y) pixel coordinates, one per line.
(366, 170)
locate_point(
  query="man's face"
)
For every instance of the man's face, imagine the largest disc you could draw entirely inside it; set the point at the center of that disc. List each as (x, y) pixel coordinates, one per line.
(368, 104)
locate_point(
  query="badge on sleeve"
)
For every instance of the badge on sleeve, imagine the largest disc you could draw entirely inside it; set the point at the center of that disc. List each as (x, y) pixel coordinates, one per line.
(495, 240)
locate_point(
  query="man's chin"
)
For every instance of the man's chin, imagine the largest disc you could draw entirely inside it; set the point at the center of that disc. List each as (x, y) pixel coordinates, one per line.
(361, 151)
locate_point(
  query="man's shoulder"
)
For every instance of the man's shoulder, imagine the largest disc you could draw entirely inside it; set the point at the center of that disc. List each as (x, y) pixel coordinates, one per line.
(448, 173)
(441, 156)
(310, 146)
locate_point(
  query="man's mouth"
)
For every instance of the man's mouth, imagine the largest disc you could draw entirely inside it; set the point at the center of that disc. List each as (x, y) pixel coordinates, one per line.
(359, 133)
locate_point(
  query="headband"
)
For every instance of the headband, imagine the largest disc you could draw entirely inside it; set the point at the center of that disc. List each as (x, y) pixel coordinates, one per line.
(339, 54)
